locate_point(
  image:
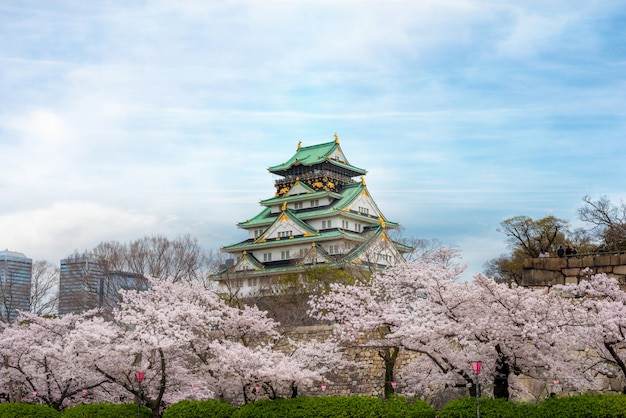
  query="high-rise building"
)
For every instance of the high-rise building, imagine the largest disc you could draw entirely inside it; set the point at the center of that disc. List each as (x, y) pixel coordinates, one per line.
(84, 284)
(80, 284)
(320, 215)
(15, 279)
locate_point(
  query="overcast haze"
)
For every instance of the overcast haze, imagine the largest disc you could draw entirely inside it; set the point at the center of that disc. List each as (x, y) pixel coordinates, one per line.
(125, 119)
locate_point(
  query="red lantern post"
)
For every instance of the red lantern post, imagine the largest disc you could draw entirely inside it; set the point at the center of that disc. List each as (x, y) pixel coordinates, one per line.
(139, 376)
(476, 366)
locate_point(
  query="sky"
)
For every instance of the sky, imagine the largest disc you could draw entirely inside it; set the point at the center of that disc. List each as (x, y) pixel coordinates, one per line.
(120, 120)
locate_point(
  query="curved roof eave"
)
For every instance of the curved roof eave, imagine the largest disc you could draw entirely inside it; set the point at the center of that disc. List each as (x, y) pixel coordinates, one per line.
(315, 154)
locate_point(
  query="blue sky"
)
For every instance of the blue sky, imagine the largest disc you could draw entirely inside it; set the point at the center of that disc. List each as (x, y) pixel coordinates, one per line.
(125, 119)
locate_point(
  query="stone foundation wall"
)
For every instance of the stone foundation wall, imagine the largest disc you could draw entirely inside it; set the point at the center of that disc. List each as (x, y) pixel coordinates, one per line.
(366, 379)
(550, 271)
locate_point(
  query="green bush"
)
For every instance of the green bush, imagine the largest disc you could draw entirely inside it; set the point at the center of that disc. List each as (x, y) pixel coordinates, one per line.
(489, 408)
(21, 410)
(200, 409)
(587, 406)
(582, 406)
(336, 407)
(106, 410)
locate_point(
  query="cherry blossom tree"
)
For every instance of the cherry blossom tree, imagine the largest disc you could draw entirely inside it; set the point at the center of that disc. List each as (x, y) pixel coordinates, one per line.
(186, 339)
(271, 371)
(521, 331)
(43, 363)
(161, 328)
(423, 307)
(601, 340)
(382, 307)
(322, 357)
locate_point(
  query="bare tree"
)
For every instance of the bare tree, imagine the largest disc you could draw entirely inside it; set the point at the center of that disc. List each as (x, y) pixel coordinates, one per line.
(609, 222)
(534, 237)
(527, 238)
(417, 247)
(44, 289)
(157, 256)
(94, 279)
(504, 269)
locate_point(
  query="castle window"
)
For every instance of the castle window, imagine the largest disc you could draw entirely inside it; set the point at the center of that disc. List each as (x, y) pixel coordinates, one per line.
(284, 255)
(315, 202)
(267, 257)
(298, 205)
(363, 210)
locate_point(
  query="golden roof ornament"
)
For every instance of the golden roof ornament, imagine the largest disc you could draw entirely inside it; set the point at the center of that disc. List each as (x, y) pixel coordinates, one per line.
(284, 206)
(382, 221)
(336, 138)
(363, 180)
(299, 144)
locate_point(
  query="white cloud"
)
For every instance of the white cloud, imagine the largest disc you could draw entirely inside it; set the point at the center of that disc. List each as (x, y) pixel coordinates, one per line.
(55, 231)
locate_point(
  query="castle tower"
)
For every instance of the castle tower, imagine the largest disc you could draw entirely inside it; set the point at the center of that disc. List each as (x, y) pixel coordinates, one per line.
(321, 214)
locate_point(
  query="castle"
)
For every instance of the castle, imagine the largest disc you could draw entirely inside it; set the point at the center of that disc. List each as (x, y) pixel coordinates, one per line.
(321, 214)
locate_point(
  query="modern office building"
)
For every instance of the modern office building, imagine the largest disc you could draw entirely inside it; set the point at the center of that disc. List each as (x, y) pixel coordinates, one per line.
(84, 284)
(80, 284)
(320, 215)
(15, 280)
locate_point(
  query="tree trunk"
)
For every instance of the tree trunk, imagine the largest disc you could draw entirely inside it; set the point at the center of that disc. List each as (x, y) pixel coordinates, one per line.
(618, 360)
(501, 378)
(389, 356)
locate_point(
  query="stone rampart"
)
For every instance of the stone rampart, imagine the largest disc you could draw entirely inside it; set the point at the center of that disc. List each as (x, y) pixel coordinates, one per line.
(366, 378)
(549, 271)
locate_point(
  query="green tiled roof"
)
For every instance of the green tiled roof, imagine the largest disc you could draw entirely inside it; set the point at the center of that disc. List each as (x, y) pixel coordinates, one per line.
(291, 269)
(347, 259)
(315, 154)
(280, 199)
(318, 237)
(260, 218)
(348, 194)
